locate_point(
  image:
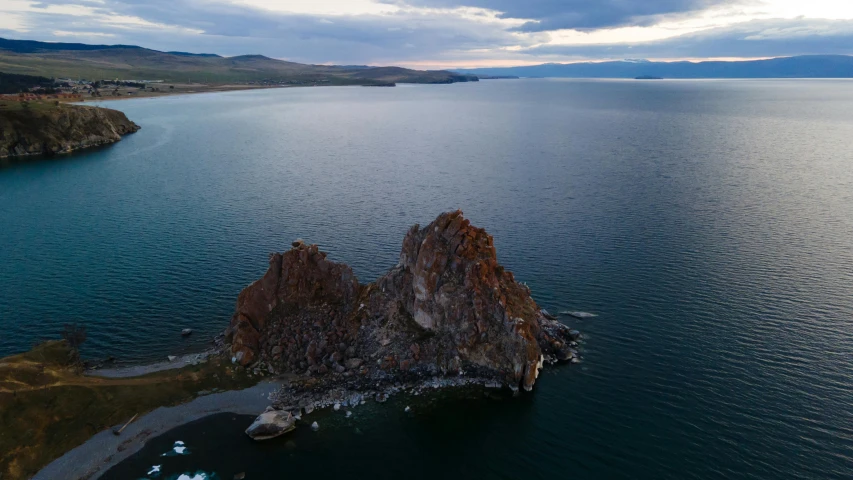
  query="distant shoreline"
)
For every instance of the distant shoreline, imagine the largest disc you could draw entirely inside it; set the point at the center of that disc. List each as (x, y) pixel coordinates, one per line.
(196, 89)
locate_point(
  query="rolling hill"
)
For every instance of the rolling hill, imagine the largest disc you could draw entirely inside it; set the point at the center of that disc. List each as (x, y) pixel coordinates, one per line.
(805, 66)
(129, 62)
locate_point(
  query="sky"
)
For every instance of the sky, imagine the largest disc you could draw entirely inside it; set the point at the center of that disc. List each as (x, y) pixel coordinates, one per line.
(446, 33)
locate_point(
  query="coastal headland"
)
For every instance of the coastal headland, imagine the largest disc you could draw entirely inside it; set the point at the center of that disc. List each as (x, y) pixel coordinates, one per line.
(89, 72)
(447, 315)
(447, 308)
(33, 128)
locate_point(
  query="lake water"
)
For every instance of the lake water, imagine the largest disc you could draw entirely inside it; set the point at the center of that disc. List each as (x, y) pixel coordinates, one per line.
(709, 224)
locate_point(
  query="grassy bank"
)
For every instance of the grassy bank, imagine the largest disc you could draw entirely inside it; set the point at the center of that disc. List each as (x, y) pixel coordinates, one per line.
(47, 407)
(35, 106)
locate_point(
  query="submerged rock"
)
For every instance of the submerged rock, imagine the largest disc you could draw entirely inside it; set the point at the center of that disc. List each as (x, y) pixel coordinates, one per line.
(271, 424)
(447, 308)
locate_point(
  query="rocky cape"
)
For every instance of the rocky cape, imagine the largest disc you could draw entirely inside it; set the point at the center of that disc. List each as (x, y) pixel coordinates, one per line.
(43, 129)
(447, 314)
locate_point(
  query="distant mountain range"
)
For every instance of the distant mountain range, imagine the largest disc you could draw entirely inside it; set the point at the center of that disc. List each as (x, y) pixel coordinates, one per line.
(805, 66)
(130, 62)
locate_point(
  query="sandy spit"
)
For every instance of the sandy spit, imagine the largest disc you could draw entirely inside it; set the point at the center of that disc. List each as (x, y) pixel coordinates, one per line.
(104, 450)
(139, 370)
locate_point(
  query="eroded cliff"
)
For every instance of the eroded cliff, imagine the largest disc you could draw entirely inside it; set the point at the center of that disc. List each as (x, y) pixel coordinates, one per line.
(46, 129)
(447, 308)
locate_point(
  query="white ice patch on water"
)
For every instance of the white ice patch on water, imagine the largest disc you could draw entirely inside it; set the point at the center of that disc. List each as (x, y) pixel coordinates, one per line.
(178, 449)
(195, 476)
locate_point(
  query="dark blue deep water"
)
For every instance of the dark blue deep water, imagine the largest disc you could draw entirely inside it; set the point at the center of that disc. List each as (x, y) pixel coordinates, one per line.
(709, 224)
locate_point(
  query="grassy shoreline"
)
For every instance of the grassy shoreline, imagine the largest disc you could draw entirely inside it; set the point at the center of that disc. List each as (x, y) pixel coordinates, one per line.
(193, 89)
(48, 407)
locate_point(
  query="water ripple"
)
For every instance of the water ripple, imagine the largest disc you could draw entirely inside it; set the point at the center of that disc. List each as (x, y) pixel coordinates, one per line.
(708, 224)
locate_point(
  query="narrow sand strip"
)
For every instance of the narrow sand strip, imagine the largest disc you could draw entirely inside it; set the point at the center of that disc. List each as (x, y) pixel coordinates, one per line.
(139, 370)
(104, 450)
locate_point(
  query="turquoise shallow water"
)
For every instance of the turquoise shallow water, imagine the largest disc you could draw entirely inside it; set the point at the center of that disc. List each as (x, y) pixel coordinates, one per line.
(709, 224)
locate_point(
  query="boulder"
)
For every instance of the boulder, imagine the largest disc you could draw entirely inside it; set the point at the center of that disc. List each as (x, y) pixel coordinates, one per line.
(271, 424)
(354, 363)
(186, 332)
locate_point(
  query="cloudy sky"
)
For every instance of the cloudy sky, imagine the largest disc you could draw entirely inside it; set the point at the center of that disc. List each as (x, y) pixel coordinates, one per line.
(446, 33)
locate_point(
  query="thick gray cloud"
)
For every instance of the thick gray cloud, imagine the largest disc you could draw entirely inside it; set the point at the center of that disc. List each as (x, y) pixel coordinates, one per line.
(412, 35)
(231, 29)
(756, 38)
(579, 14)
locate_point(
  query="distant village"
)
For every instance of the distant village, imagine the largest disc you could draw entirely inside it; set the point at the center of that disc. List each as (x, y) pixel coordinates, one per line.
(25, 88)
(31, 88)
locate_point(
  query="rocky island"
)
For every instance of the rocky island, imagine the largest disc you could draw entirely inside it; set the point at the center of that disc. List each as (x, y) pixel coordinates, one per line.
(45, 128)
(447, 314)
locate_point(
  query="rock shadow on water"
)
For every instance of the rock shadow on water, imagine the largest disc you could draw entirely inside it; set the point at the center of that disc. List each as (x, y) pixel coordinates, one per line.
(93, 153)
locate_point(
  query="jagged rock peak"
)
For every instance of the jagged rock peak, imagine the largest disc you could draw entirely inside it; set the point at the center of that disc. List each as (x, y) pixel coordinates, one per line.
(448, 307)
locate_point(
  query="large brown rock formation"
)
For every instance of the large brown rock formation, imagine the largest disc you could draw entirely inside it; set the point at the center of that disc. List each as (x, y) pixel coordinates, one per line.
(448, 307)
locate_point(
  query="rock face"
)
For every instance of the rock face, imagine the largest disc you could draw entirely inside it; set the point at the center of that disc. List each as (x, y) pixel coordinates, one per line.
(49, 130)
(271, 424)
(447, 308)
